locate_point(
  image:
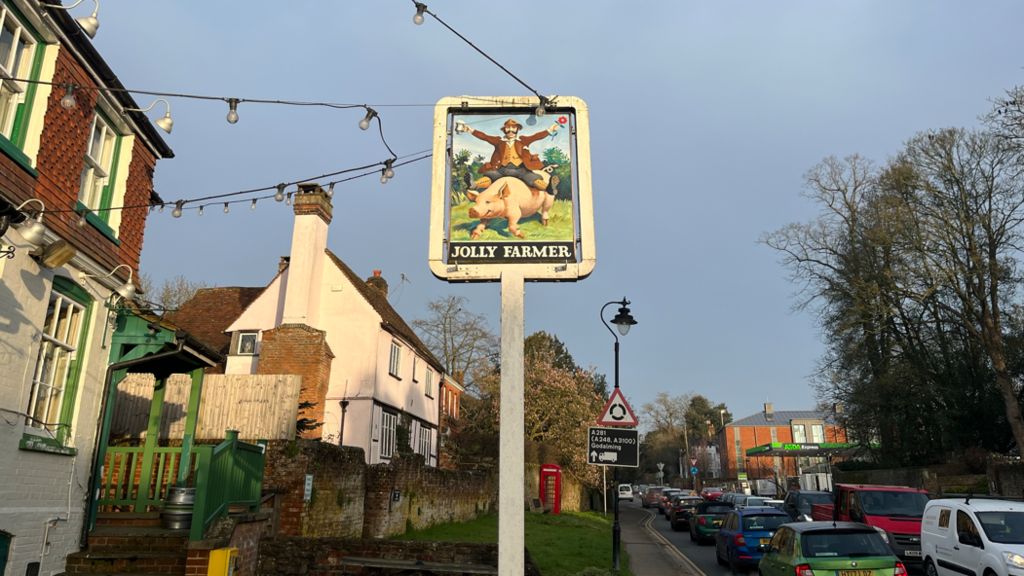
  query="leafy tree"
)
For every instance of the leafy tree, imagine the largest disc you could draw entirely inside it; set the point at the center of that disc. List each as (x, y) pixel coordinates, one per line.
(461, 339)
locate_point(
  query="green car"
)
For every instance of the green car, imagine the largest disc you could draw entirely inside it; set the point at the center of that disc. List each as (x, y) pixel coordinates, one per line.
(829, 548)
(707, 519)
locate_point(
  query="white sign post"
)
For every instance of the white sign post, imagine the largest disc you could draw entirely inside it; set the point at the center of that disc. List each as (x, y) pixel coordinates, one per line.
(468, 244)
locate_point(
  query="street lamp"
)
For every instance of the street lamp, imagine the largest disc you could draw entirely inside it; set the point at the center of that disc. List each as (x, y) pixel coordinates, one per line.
(721, 414)
(623, 321)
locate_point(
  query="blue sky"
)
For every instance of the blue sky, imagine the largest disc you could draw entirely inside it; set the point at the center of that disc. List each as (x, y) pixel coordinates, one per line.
(704, 118)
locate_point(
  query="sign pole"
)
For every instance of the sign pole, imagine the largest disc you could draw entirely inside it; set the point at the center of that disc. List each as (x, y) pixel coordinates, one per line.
(511, 492)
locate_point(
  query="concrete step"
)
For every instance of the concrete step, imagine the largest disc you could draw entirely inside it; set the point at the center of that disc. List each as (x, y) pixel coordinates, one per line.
(135, 563)
(114, 538)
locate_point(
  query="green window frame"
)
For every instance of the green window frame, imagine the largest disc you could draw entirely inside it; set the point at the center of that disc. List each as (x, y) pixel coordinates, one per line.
(5, 547)
(21, 56)
(98, 180)
(57, 373)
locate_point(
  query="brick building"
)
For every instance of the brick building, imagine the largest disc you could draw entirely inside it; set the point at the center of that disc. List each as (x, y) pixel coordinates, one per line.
(771, 426)
(63, 163)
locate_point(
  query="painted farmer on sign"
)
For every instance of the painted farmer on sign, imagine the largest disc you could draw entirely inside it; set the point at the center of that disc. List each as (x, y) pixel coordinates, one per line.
(510, 186)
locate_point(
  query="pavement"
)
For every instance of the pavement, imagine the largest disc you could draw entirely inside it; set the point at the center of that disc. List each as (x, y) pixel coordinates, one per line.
(650, 554)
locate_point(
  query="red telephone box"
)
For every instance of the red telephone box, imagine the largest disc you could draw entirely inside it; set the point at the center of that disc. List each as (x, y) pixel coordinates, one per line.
(551, 487)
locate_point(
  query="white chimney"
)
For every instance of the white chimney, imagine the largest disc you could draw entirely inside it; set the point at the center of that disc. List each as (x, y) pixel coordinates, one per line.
(302, 285)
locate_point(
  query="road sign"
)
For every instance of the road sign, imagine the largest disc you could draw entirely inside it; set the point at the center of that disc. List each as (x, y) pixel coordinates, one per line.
(693, 471)
(613, 447)
(693, 461)
(617, 411)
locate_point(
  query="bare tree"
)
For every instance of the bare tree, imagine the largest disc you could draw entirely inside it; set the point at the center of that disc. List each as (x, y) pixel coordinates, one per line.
(461, 339)
(172, 293)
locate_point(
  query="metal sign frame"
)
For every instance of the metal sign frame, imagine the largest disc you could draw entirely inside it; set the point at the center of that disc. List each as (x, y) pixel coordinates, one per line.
(565, 271)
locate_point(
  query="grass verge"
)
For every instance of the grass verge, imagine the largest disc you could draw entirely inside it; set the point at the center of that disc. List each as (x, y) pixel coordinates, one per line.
(560, 545)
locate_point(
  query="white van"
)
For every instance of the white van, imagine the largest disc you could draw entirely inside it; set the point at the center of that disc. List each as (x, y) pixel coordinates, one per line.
(625, 492)
(973, 536)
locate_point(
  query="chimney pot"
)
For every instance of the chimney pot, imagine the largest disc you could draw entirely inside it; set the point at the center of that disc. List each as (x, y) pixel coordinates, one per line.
(378, 282)
(376, 273)
(283, 263)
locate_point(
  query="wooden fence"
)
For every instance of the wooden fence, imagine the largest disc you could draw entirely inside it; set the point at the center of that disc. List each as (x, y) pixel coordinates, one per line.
(263, 406)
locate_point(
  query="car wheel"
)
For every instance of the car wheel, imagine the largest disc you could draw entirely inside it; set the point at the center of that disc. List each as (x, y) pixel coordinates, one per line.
(929, 568)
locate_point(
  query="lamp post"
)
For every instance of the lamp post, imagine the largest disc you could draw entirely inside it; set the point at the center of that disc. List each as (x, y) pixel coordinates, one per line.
(623, 321)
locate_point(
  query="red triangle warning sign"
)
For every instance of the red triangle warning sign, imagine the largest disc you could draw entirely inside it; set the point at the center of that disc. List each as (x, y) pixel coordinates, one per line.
(617, 411)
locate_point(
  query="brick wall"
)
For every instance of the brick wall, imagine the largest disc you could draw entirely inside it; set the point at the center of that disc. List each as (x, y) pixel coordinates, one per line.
(406, 494)
(299, 349)
(351, 500)
(61, 157)
(339, 486)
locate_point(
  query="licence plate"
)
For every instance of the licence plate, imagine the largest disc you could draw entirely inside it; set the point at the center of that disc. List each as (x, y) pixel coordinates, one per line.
(913, 553)
(716, 522)
(765, 541)
(855, 572)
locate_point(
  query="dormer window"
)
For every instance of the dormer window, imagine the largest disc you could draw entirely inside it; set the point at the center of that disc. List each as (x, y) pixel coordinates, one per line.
(246, 343)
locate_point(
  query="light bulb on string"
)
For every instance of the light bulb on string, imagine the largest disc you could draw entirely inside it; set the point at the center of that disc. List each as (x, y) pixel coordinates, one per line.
(226, 209)
(420, 9)
(253, 205)
(364, 124)
(232, 116)
(330, 190)
(279, 195)
(81, 221)
(389, 172)
(177, 208)
(288, 202)
(68, 101)
(161, 210)
(383, 176)
(201, 209)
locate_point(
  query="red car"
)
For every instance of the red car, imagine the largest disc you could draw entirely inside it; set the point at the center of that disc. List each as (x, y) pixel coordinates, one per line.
(711, 493)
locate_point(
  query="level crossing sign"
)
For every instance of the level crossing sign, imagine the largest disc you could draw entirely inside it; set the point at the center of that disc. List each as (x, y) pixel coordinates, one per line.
(617, 411)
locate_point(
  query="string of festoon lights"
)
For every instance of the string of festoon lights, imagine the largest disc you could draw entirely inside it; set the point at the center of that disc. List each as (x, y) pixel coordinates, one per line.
(385, 168)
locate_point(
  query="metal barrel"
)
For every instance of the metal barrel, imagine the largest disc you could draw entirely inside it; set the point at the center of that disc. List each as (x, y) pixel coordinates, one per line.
(177, 510)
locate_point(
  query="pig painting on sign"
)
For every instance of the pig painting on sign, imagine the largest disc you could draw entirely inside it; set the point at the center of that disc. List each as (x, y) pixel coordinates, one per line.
(511, 183)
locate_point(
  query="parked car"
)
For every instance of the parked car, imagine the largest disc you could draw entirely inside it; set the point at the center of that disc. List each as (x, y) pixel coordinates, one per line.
(894, 510)
(973, 534)
(681, 509)
(625, 492)
(774, 503)
(745, 534)
(707, 519)
(809, 548)
(652, 496)
(711, 493)
(797, 503)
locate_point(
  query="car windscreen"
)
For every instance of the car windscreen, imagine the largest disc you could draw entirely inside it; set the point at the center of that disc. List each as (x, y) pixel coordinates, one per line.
(884, 503)
(755, 501)
(764, 521)
(843, 543)
(714, 509)
(804, 501)
(1003, 527)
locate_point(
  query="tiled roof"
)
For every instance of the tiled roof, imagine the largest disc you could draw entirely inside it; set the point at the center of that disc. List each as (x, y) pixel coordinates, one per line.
(782, 417)
(211, 310)
(390, 319)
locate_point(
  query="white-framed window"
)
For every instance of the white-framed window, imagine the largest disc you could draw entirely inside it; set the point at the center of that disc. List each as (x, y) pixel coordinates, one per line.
(425, 442)
(428, 388)
(94, 190)
(246, 343)
(58, 352)
(415, 368)
(388, 427)
(17, 48)
(799, 433)
(395, 362)
(817, 433)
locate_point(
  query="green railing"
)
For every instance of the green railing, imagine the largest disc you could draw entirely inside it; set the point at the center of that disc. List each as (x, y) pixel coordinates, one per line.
(227, 475)
(134, 483)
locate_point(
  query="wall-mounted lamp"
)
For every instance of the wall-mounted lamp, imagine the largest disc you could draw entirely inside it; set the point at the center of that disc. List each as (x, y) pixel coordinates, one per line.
(126, 290)
(166, 123)
(32, 229)
(90, 24)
